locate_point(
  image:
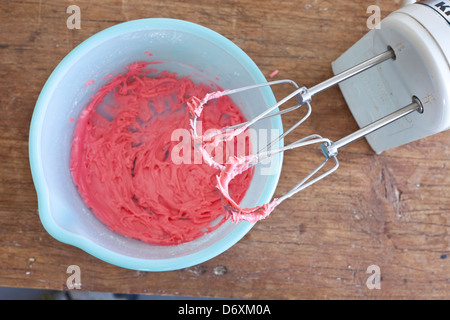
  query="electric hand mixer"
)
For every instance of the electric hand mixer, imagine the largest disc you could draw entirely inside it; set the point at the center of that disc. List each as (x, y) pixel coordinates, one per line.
(403, 81)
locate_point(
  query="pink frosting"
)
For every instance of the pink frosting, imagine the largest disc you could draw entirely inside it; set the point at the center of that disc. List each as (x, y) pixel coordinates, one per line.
(121, 158)
(234, 166)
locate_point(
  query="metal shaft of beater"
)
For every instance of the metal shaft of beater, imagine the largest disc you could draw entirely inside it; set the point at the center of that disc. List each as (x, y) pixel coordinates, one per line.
(331, 150)
(388, 54)
(304, 95)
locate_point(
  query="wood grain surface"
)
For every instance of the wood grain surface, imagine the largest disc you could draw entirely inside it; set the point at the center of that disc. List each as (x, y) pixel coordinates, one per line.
(391, 210)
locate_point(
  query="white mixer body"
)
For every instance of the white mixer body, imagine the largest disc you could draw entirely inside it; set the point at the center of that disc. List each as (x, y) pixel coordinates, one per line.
(419, 34)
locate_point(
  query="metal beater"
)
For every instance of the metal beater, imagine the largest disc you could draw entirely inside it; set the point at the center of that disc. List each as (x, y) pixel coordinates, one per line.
(425, 92)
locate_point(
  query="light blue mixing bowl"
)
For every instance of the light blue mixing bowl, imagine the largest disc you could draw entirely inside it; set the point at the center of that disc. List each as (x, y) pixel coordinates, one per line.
(184, 48)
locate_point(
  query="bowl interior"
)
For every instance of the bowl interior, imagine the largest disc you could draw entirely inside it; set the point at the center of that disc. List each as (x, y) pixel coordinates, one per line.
(183, 48)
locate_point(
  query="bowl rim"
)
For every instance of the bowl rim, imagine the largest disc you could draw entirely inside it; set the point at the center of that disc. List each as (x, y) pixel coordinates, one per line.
(39, 179)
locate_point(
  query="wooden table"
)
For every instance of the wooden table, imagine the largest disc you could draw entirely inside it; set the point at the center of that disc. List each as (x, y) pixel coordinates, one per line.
(391, 210)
